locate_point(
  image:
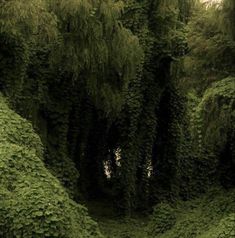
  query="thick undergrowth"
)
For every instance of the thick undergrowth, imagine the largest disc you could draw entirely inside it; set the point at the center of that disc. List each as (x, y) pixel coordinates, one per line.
(132, 103)
(210, 216)
(32, 201)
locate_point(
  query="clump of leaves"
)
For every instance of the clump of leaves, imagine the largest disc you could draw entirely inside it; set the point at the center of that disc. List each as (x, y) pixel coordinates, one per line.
(163, 219)
(211, 215)
(32, 201)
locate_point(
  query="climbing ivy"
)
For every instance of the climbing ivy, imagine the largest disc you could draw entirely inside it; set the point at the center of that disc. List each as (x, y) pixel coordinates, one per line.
(132, 100)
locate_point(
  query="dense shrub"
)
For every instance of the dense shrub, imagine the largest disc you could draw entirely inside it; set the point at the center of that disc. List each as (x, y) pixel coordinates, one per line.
(32, 201)
(163, 219)
(210, 216)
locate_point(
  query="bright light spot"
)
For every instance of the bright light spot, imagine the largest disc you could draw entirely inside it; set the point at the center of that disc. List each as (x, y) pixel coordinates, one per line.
(211, 1)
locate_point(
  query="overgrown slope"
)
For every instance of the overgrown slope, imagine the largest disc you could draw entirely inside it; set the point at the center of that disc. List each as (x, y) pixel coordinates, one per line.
(211, 216)
(32, 201)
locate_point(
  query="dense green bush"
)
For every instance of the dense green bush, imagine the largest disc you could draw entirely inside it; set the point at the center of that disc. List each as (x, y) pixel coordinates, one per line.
(16, 130)
(225, 229)
(213, 132)
(214, 116)
(32, 201)
(210, 216)
(206, 155)
(163, 219)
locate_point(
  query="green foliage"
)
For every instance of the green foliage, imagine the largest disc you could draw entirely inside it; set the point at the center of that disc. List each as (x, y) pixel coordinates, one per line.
(95, 47)
(88, 53)
(211, 215)
(119, 228)
(16, 130)
(162, 37)
(169, 145)
(162, 220)
(87, 41)
(32, 201)
(27, 19)
(98, 77)
(113, 226)
(224, 229)
(228, 17)
(205, 156)
(214, 116)
(128, 143)
(211, 47)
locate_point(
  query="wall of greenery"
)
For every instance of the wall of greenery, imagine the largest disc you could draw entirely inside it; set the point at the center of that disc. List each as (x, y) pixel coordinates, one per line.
(133, 102)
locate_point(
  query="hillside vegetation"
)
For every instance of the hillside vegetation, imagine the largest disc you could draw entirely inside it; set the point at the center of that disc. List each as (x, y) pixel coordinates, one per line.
(32, 201)
(117, 118)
